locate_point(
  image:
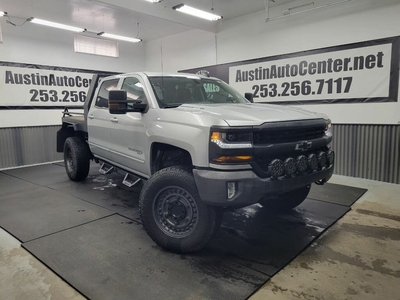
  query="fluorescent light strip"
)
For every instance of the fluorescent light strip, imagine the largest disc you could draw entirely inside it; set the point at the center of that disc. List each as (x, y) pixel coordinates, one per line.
(56, 25)
(153, 1)
(307, 10)
(196, 12)
(119, 37)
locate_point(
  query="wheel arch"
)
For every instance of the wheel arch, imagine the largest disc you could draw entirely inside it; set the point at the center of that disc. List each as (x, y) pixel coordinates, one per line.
(164, 155)
(65, 132)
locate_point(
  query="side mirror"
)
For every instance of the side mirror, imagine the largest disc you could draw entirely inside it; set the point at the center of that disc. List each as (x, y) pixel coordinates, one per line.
(118, 103)
(249, 96)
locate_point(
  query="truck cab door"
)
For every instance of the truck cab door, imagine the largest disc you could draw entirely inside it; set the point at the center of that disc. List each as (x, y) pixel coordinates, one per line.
(99, 119)
(128, 131)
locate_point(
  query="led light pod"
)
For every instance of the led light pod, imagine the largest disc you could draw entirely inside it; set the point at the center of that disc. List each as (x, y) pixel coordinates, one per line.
(290, 166)
(276, 168)
(312, 162)
(322, 159)
(301, 164)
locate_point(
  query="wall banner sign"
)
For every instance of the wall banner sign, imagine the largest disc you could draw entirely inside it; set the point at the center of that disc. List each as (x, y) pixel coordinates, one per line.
(360, 72)
(26, 87)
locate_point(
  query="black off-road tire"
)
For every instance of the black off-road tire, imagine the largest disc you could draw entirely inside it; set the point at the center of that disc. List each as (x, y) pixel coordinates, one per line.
(172, 212)
(219, 217)
(285, 202)
(76, 158)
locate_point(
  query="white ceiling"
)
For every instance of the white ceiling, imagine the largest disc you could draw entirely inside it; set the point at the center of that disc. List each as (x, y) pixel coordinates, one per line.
(121, 16)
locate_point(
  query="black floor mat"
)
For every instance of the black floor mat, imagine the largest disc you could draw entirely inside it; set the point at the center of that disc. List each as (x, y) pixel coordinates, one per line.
(59, 163)
(107, 256)
(41, 175)
(113, 258)
(104, 190)
(131, 213)
(33, 213)
(335, 193)
(267, 242)
(10, 184)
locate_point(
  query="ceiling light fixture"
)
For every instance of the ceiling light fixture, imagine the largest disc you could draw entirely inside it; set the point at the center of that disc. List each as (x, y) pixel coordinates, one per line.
(307, 10)
(154, 1)
(196, 12)
(288, 11)
(119, 37)
(2, 13)
(56, 25)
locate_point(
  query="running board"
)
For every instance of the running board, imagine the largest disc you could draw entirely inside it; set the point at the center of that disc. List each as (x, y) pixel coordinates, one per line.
(106, 169)
(130, 180)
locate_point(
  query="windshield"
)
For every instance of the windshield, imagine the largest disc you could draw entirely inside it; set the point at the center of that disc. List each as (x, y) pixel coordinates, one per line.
(173, 91)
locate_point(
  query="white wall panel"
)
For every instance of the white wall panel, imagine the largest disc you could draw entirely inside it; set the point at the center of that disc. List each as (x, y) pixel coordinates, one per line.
(186, 50)
(355, 21)
(35, 44)
(249, 37)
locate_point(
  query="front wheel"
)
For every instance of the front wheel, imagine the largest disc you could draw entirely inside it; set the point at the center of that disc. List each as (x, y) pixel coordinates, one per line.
(173, 214)
(286, 201)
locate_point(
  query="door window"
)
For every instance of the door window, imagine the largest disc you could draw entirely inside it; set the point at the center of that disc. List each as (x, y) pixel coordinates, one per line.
(102, 97)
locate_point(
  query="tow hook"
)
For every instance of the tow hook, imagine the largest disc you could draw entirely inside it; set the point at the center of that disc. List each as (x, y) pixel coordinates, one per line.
(321, 182)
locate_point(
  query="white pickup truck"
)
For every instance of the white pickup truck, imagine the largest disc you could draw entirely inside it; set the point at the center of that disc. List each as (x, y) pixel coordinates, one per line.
(200, 146)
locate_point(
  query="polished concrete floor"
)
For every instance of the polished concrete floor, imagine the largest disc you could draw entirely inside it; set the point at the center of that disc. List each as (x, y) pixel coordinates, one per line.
(357, 258)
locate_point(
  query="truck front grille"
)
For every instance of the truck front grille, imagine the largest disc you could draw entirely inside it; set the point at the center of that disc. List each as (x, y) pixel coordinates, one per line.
(283, 135)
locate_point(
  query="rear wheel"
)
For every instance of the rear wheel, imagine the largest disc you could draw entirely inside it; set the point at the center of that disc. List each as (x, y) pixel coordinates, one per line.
(76, 158)
(173, 214)
(286, 201)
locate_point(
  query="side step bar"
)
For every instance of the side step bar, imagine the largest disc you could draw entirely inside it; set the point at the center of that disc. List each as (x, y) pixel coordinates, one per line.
(106, 168)
(130, 180)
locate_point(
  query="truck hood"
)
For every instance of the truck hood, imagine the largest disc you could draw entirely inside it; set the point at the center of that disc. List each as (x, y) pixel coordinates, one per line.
(250, 114)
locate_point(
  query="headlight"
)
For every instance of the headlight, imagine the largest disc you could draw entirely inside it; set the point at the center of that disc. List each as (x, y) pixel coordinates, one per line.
(232, 140)
(229, 146)
(328, 129)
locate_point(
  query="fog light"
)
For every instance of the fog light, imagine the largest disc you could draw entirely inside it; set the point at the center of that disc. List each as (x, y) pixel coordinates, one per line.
(276, 168)
(312, 162)
(322, 159)
(330, 155)
(301, 164)
(231, 188)
(290, 166)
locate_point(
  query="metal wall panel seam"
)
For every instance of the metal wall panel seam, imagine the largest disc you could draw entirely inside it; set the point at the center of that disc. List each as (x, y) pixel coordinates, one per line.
(365, 151)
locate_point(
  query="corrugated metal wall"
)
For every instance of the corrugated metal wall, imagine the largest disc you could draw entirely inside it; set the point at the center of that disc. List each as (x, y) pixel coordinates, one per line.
(28, 145)
(366, 151)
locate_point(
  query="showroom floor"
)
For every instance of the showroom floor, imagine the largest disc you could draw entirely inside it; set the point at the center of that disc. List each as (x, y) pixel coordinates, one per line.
(357, 258)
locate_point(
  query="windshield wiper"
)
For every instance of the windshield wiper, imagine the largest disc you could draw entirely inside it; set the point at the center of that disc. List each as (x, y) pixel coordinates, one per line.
(172, 106)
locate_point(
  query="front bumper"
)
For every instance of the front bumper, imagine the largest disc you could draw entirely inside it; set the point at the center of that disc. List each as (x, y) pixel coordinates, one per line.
(212, 185)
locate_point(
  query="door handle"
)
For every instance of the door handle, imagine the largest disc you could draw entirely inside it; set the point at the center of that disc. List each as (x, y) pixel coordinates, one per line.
(114, 120)
(90, 116)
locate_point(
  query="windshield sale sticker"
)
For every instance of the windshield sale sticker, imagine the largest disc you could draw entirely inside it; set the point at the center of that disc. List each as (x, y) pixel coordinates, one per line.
(28, 87)
(358, 73)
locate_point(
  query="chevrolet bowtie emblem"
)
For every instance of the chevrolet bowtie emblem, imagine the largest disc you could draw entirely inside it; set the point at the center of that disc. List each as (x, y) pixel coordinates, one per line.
(303, 146)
